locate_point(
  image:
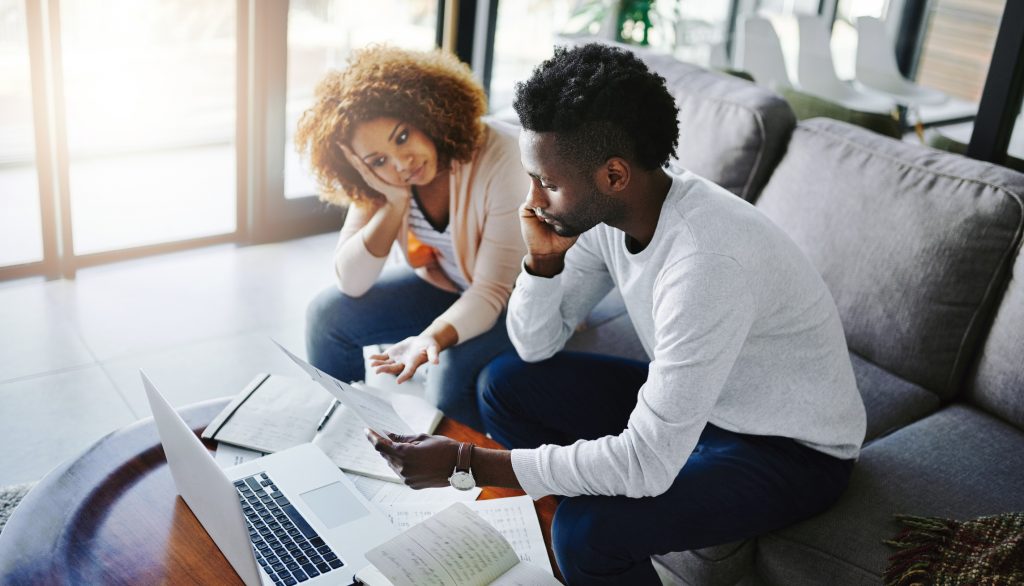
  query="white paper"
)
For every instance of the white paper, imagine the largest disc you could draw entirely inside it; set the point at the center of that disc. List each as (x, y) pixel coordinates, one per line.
(515, 518)
(377, 413)
(228, 455)
(525, 575)
(344, 441)
(382, 493)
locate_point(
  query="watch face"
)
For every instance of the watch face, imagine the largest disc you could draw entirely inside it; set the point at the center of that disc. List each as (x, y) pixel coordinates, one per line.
(462, 480)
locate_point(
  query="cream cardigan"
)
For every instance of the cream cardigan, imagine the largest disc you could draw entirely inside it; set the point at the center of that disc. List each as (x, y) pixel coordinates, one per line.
(485, 196)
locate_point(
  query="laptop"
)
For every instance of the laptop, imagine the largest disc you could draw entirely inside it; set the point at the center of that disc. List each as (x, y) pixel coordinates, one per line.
(287, 518)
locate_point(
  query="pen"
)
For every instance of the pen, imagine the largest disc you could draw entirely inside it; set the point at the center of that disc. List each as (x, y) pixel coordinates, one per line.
(327, 414)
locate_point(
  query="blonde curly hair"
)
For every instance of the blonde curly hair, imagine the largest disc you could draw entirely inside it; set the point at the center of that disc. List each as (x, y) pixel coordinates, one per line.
(431, 90)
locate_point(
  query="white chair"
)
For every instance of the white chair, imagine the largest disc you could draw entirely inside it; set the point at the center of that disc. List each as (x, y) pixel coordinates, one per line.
(817, 73)
(760, 53)
(877, 69)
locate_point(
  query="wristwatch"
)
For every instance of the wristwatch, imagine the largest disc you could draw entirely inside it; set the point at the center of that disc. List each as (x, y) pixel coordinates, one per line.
(462, 476)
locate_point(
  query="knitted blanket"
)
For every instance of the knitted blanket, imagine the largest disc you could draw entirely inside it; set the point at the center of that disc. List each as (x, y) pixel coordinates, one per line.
(931, 551)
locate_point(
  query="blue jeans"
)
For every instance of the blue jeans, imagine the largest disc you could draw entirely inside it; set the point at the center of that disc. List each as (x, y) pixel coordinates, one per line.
(400, 305)
(732, 487)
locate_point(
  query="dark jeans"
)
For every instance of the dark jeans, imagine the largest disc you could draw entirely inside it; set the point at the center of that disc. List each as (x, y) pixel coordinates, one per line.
(400, 305)
(732, 487)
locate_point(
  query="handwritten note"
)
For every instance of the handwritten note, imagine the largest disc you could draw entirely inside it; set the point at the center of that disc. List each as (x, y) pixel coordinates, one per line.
(455, 547)
(515, 518)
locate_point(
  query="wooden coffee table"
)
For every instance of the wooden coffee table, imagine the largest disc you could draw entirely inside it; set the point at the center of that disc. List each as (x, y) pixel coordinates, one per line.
(112, 516)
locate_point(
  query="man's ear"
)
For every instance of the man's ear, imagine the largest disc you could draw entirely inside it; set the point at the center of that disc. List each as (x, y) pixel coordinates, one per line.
(614, 175)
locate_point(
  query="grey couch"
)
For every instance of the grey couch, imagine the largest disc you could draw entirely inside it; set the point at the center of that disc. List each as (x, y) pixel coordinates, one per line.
(922, 252)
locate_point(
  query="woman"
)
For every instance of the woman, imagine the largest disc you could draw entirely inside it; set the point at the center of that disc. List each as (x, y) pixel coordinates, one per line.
(398, 136)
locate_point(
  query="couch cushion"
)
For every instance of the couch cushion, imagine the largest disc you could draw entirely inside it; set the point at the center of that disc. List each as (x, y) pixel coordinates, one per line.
(998, 381)
(730, 130)
(959, 463)
(914, 244)
(722, 565)
(890, 402)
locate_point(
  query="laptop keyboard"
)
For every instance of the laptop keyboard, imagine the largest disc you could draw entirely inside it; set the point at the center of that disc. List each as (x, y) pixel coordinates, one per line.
(287, 548)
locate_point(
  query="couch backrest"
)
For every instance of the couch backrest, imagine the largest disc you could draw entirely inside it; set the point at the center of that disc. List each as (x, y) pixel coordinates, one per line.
(914, 244)
(997, 383)
(730, 130)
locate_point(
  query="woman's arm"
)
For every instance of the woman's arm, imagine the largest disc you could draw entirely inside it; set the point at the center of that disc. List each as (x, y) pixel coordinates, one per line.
(359, 260)
(366, 237)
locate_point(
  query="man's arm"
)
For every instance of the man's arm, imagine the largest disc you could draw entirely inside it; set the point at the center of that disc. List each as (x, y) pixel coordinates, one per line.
(426, 461)
(541, 316)
(703, 310)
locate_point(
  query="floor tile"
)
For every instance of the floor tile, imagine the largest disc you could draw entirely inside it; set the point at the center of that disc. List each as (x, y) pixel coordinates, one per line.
(169, 301)
(36, 334)
(206, 370)
(47, 419)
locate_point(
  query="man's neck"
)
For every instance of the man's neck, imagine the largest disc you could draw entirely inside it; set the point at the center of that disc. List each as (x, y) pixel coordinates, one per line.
(643, 208)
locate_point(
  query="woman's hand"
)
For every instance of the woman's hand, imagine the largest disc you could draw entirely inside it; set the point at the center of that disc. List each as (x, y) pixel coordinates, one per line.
(403, 358)
(397, 196)
(423, 461)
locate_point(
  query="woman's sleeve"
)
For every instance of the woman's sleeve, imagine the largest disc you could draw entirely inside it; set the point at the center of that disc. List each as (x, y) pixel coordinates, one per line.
(356, 268)
(501, 251)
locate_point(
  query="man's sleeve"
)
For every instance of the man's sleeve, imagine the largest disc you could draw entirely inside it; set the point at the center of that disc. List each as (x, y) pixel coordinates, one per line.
(703, 311)
(544, 312)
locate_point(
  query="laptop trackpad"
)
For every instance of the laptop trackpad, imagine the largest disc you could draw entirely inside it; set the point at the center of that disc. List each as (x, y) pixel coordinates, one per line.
(334, 505)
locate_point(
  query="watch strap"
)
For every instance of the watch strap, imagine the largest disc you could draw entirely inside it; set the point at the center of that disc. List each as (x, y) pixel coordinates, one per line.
(465, 456)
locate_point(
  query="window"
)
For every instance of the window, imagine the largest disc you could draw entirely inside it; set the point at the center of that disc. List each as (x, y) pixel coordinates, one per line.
(321, 33)
(21, 237)
(149, 101)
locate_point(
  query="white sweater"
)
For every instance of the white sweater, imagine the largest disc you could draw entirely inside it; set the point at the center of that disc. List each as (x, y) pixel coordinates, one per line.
(741, 331)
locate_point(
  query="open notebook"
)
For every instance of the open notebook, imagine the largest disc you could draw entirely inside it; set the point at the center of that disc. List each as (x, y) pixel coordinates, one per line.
(455, 547)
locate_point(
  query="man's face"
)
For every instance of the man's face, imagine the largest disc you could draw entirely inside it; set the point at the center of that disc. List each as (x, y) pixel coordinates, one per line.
(567, 198)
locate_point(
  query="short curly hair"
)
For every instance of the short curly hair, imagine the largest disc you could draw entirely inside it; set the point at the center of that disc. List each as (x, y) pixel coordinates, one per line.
(431, 90)
(602, 102)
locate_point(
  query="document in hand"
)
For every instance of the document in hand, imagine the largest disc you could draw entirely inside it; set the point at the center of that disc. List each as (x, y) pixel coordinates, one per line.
(277, 412)
(455, 547)
(378, 415)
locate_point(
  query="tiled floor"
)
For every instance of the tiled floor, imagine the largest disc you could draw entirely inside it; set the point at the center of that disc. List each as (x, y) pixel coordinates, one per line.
(198, 322)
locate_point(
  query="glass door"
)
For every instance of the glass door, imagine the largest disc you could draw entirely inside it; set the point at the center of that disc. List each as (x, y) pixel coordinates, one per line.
(21, 204)
(149, 110)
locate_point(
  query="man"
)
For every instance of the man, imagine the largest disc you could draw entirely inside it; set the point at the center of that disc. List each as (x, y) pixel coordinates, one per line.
(747, 418)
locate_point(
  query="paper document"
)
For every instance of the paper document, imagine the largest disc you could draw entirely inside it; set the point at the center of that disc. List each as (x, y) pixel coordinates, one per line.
(455, 547)
(378, 414)
(382, 492)
(228, 455)
(274, 413)
(515, 518)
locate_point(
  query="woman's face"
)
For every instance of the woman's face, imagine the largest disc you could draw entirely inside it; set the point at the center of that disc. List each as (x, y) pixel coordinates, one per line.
(399, 153)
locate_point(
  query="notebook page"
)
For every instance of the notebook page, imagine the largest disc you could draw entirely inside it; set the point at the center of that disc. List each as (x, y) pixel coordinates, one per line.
(524, 574)
(282, 413)
(455, 547)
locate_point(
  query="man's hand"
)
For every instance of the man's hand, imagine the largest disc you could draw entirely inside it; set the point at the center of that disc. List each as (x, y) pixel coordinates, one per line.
(423, 461)
(395, 195)
(545, 248)
(402, 359)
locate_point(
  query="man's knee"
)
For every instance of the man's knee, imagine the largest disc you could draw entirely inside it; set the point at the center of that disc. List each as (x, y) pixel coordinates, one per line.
(578, 531)
(499, 376)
